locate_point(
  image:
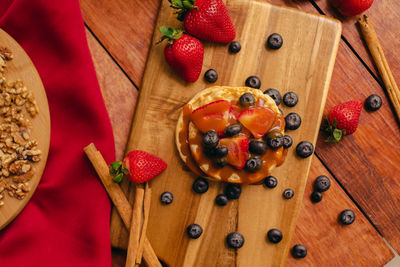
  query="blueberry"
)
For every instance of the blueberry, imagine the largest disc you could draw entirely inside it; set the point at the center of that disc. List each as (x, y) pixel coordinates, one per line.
(274, 94)
(274, 41)
(304, 149)
(287, 141)
(270, 182)
(373, 102)
(292, 121)
(299, 251)
(200, 185)
(253, 82)
(221, 200)
(194, 231)
(274, 236)
(233, 191)
(290, 99)
(257, 147)
(209, 151)
(235, 240)
(347, 217)
(316, 197)
(210, 139)
(211, 76)
(288, 193)
(221, 151)
(166, 198)
(233, 129)
(221, 162)
(234, 47)
(322, 183)
(275, 143)
(247, 100)
(253, 164)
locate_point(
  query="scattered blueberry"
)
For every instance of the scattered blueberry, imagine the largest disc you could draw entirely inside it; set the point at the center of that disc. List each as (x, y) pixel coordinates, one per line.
(221, 200)
(316, 197)
(270, 182)
(194, 231)
(233, 191)
(293, 121)
(200, 185)
(233, 129)
(290, 99)
(287, 141)
(234, 47)
(347, 217)
(274, 41)
(322, 183)
(275, 143)
(257, 147)
(235, 240)
(253, 164)
(304, 149)
(221, 151)
(288, 193)
(274, 94)
(373, 102)
(247, 100)
(274, 236)
(299, 251)
(253, 82)
(166, 198)
(211, 76)
(221, 162)
(210, 139)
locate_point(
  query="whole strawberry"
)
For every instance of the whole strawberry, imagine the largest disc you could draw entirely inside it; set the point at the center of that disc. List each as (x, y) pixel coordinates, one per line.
(343, 120)
(139, 166)
(183, 53)
(208, 20)
(352, 7)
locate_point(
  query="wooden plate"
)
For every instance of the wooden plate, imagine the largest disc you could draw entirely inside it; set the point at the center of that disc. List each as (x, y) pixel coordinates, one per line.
(22, 68)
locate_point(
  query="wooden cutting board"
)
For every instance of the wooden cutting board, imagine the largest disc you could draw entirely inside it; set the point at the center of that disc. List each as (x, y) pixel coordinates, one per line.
(22, 68)
(304, 65)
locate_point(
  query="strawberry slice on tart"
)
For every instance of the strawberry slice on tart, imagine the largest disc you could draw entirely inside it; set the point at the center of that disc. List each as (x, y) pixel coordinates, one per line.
(215, 116)
(238, 150)
(258, 120)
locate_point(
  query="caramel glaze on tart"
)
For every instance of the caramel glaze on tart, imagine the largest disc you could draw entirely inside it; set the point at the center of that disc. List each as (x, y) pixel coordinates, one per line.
(189, 138)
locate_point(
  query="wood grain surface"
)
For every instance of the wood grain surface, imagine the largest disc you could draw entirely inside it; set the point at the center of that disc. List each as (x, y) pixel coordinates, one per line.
(22, 68)
(308, 58)
(99, 14)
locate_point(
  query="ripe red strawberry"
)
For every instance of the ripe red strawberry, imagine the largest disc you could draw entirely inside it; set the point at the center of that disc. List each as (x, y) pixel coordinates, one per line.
(352, 7)
(213, 116)
(343, 120)
(183, 53)
(139, 166)
(208, 20)
(257, 120)
(238, 150)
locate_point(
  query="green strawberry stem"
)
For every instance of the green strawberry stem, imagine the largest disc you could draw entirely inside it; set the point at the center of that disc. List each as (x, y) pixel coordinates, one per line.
(169, 33)
(335, 134)
(183, 6)
(118, 171)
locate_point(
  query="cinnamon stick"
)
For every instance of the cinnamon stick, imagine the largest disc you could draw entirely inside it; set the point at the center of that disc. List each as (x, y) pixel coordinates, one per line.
(136, 225)
(119, 200)
(146, 212)
(375, 48)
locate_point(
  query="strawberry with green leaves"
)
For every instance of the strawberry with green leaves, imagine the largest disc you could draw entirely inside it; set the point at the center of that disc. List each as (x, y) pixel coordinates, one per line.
(208, 20)
(183, 53)
(139, 166)
(343, 120)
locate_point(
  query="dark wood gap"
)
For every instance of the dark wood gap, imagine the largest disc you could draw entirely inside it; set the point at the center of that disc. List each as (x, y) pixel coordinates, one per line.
(113, 59)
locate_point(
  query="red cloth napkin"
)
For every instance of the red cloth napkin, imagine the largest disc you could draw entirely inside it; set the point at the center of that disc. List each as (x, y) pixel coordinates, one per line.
(66, 223)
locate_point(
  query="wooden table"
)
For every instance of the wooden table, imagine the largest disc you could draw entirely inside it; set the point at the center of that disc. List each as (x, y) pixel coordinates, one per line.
(364, 168)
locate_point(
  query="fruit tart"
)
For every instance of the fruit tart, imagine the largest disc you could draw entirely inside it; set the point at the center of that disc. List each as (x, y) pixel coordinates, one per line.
(231, 134)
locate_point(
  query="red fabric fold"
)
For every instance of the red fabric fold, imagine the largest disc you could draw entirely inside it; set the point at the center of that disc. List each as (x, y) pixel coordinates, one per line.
(66, 223)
